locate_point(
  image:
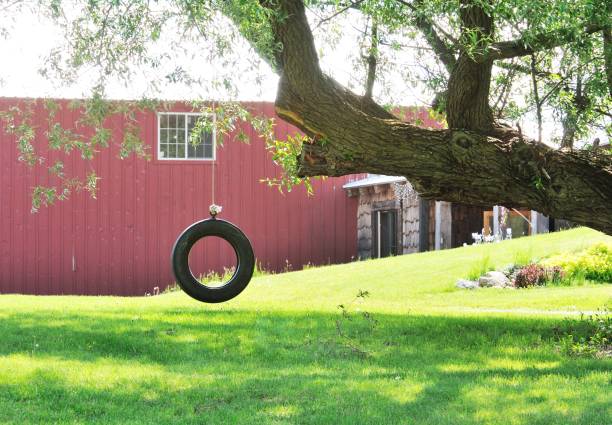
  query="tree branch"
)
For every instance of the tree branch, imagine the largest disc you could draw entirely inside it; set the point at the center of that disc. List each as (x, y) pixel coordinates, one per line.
(338, 12)
(372, 61)
(504, 93)
(528, 45)
(536, 96)
(433, 24)
(352, 134)
(524, 69)
(428, 28)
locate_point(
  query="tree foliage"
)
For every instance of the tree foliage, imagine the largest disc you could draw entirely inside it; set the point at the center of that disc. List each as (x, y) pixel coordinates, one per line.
(486, 64)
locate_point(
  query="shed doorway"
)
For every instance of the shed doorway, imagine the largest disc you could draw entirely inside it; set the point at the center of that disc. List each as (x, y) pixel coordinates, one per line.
(384, 229)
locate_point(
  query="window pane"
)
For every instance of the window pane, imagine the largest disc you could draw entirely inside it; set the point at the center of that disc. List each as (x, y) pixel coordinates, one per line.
(172, 151)
(195, 151)
(208, 151)
(171, 121)
(163, 136)
(163, 150)
(190, 138)
(180, 137)
(180, 121)
(163, 121)
(180, 151)
(208, 139)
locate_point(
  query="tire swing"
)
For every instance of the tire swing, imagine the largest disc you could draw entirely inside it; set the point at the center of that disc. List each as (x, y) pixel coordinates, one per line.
(224, 230)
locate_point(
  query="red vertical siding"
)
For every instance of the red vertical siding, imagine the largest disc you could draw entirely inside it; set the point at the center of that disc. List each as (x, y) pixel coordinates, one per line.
(120, 243)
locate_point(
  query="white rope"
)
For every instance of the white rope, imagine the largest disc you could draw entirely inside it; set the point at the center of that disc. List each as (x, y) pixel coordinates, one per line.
(214, 209)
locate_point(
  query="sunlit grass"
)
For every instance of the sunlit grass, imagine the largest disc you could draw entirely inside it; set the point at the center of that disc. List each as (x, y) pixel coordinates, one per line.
(436, 355)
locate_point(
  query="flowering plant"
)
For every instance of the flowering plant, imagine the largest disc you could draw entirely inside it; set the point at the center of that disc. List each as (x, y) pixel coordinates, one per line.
(530, 275)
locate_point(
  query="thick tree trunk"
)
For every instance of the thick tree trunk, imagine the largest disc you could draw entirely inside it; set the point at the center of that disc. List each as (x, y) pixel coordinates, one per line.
(469, 83)
(467, 104)
(484, 165)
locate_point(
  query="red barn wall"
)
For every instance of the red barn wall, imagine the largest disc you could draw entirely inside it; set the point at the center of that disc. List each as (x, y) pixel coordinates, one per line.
(120, 243)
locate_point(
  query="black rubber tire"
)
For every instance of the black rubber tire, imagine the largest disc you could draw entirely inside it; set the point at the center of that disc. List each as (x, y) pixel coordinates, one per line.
(244, 254)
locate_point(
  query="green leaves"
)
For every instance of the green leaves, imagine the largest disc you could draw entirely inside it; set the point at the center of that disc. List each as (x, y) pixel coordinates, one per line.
(132, 143)
(17, 121)
(44, 196)
(285, 153)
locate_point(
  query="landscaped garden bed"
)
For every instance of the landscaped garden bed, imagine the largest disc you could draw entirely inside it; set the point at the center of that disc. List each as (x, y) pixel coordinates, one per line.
(592, 265)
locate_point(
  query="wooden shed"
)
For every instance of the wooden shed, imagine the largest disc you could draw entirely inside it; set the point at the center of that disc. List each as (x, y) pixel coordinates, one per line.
(392, 219)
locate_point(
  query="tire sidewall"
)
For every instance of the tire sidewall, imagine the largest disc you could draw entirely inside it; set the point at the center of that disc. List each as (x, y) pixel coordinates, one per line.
(244, 255)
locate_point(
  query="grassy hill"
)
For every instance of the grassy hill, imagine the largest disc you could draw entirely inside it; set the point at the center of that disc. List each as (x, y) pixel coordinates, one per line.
(283, 352)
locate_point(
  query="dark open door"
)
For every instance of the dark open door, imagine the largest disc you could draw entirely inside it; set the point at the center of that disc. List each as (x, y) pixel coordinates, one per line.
(384, 232)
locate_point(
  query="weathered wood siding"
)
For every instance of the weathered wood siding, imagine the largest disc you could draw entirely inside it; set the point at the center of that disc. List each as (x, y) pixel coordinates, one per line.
(410, 223)
(371, 199)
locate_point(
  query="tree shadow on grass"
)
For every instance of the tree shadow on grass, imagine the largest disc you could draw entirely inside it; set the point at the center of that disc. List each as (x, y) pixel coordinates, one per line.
(251, 367)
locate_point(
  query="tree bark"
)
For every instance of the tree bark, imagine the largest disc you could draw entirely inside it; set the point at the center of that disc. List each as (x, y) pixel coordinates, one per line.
(470, 81)
(474, 162)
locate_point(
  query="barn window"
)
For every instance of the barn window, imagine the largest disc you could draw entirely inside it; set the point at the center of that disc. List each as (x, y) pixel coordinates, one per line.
(175, 132)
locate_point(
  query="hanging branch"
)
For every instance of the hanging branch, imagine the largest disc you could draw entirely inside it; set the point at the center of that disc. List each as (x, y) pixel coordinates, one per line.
(525, 46)
(431, 31)
(351, 5)
(504, 93)
(570, 121)
(536, 96)
(372, 60)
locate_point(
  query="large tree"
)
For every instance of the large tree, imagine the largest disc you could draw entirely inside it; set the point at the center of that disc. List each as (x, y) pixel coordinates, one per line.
(479, 45)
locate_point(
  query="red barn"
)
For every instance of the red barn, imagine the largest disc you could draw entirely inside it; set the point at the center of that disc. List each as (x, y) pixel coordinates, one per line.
(120, 243)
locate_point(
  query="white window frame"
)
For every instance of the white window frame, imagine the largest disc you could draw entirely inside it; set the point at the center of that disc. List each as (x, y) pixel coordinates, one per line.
(186, 115)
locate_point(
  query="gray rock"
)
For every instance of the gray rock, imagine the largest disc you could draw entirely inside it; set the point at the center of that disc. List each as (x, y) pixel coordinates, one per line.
(494, 280)
(467, 284)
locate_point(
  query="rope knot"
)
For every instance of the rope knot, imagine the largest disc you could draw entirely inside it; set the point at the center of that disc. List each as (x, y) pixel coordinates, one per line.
(214, 210)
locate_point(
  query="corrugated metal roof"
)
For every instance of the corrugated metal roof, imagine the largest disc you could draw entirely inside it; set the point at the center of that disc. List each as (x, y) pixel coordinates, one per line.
(374, 180)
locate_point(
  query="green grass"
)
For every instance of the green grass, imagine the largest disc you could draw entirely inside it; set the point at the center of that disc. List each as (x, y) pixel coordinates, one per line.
(274, 355)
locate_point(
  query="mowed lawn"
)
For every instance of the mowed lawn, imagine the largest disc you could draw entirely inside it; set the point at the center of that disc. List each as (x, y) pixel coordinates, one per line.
(283, 353)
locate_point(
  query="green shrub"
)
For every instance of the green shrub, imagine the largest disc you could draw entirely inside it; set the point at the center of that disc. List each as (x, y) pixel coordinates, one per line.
(480, 268)
(594, 263)
(523, 257)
